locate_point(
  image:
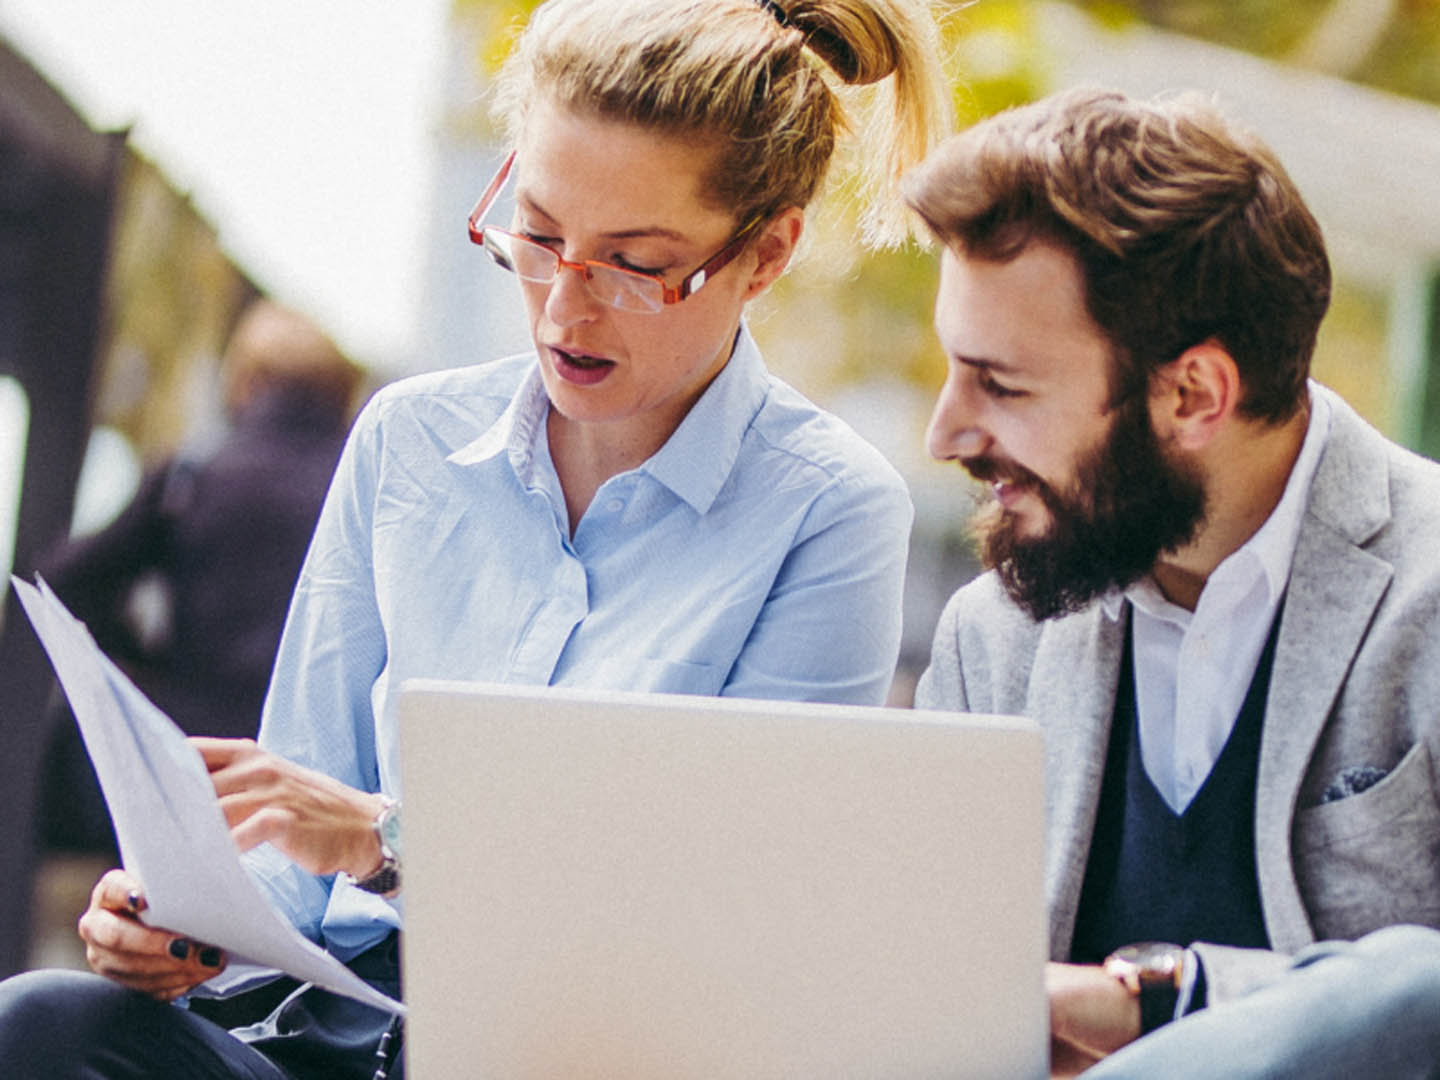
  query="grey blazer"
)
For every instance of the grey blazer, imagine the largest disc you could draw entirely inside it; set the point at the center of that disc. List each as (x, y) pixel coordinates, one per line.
(1355, 686)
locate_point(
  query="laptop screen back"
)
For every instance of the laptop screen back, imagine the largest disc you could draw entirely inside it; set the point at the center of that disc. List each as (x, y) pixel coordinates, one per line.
(615, 885)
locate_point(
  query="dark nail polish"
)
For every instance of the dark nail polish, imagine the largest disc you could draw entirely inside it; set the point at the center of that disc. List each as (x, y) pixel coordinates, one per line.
(133, 900)
(180, 948)
(210, 957)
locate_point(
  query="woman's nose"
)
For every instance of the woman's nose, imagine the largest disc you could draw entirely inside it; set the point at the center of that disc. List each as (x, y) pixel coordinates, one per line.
(570, 300)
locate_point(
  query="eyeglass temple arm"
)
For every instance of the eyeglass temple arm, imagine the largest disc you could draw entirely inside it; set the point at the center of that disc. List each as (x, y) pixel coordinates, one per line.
(717, 262)
(483, 206)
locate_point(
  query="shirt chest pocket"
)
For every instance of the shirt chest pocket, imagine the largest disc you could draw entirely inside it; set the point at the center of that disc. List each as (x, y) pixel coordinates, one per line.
(660, 676)
(1373, 858)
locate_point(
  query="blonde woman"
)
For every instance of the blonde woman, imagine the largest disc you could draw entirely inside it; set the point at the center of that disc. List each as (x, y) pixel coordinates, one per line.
(637, 504)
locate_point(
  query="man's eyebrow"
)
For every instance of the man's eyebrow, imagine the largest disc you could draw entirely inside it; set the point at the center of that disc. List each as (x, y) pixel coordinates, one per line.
(649, 231)
(985, 363)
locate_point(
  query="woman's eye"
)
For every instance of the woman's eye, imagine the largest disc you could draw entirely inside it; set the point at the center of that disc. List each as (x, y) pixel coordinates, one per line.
(626, 264)
(551, 242)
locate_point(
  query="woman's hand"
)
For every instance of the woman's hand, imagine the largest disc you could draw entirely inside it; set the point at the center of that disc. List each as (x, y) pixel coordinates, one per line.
(320, 823)
(120, 947)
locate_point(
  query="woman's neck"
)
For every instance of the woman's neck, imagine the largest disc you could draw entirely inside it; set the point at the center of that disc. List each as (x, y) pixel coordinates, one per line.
(586, 455)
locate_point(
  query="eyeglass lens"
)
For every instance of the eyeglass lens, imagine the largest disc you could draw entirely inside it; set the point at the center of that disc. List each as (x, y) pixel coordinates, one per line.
(611, 285)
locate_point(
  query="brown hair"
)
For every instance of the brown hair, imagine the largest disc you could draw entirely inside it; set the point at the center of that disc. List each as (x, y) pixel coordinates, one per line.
(273, 346)
(1185, 229)
(746, 72)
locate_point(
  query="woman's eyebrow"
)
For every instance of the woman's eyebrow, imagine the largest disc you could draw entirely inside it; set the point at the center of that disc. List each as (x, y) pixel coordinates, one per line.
(645, 232)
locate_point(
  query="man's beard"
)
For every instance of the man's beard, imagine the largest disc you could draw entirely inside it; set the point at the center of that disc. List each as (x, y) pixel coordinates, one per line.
(1130, 502)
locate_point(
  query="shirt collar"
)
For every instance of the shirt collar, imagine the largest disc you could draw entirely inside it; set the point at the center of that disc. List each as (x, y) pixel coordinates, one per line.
(698, 458)
(1274, 542)
(1271, 550)
(515, 432)
(695, 461)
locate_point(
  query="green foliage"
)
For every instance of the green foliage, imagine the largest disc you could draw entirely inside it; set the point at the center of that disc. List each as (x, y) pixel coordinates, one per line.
(1405, 58)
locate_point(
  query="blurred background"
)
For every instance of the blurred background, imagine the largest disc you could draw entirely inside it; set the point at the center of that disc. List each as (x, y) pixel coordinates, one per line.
(163, 164)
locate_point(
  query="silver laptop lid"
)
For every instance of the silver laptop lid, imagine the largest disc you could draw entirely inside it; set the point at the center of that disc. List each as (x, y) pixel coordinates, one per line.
(621, 885)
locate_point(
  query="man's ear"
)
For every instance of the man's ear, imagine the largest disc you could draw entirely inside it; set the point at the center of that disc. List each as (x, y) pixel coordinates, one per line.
(1194, 396)
(773, 247)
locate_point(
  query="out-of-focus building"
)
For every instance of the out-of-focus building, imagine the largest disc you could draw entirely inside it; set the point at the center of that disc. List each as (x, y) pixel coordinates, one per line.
(115, 301)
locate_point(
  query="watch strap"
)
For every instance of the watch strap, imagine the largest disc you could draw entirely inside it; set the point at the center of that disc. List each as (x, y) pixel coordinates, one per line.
(384, 880)
(1154, 973)
(1157, 1004)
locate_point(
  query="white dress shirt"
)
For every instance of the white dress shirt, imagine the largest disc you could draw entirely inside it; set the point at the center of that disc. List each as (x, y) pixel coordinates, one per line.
(1193, 669)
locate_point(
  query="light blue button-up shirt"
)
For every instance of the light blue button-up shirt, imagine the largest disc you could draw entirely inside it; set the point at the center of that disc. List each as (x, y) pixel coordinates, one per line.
(759, 553)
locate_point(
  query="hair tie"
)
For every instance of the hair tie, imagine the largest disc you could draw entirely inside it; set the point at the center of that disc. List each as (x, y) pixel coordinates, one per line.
(775, 10)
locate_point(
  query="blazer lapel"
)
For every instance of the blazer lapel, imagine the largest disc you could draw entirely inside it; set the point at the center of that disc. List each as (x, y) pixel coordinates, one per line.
(1333, 591)
(1072, 695)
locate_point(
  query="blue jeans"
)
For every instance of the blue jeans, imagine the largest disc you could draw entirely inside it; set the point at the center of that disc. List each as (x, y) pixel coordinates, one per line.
(71, 1025)
(1369, 1008)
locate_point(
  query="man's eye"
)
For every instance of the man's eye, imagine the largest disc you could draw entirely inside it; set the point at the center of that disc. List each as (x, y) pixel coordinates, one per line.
(996, 389)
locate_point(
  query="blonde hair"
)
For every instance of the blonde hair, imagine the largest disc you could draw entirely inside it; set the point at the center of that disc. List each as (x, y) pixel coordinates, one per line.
(748, 74)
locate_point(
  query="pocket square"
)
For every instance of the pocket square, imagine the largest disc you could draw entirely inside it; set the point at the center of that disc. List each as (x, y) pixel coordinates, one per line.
(1352, 781)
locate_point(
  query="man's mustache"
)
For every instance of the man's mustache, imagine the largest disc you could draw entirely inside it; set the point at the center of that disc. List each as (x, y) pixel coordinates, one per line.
(989, 470)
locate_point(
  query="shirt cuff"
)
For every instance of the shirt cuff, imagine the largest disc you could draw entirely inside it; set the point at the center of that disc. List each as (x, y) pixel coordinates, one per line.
(1192, 986)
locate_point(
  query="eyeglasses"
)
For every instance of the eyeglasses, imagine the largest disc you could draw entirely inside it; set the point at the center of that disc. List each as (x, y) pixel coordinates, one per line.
(626, 290)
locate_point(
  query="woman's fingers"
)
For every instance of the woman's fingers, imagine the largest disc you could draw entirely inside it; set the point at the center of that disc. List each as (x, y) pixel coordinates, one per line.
(322, 824)
(118, 891)
(218, 753)
(120, 947)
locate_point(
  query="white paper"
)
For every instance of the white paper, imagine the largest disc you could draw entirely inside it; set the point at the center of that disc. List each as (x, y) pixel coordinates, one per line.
(172, 834)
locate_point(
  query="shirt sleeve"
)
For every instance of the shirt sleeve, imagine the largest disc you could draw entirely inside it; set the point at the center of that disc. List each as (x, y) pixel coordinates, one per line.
(830, 627)
(318, 711)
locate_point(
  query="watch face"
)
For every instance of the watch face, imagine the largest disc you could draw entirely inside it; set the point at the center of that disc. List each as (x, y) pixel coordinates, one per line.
(390, 829)
(1155, 960)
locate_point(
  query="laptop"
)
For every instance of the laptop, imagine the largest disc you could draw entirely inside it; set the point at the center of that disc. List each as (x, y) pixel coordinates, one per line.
(604, 884)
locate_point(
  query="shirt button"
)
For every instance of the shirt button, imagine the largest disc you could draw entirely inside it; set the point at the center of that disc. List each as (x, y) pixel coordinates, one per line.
(615, 506)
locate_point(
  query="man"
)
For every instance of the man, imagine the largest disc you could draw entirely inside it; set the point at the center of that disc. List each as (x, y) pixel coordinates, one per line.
(1212, 584)
(218, 540)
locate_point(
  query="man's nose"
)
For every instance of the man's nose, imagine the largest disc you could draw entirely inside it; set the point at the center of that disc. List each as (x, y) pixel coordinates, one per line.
(955, 430)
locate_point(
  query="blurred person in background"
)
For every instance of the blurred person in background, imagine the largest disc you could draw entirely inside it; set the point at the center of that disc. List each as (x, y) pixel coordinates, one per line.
(637, 504)
(1213, 585)
(188, 587)
(221, 537)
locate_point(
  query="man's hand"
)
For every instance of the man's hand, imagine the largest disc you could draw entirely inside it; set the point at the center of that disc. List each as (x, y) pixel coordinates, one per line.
(120, 947)
(1091, 1015)
(320, 823)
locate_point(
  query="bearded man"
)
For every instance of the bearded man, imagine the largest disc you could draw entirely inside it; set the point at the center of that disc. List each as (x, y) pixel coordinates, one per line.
(1214, 586)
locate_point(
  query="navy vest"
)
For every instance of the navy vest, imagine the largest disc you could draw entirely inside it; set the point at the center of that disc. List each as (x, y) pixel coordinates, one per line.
(1154, 875)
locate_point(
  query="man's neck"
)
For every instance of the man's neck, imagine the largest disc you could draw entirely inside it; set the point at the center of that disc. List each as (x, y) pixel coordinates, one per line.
(1246, 471)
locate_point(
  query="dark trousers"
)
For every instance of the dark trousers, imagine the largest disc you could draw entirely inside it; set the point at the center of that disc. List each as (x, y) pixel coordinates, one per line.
(71, 1025)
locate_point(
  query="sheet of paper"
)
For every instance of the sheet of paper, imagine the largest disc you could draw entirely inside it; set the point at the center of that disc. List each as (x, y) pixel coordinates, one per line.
(172, 834)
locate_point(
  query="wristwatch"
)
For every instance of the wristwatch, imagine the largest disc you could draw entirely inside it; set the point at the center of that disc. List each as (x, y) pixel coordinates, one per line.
(1152, 971)
(385, 879)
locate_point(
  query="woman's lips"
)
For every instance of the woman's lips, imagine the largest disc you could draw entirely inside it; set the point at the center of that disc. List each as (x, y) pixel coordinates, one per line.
(580, 368)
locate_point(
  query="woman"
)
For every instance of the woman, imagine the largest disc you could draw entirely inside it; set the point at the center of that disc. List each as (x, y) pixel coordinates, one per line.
(645, 508)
